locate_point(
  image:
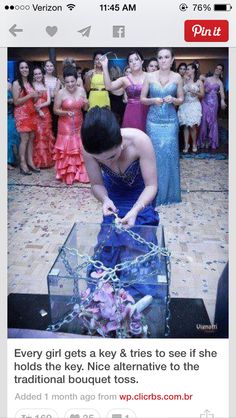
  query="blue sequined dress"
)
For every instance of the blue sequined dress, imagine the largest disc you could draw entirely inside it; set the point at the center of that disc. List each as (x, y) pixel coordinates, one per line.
(162, 127)
(113, 246)
(13, 136)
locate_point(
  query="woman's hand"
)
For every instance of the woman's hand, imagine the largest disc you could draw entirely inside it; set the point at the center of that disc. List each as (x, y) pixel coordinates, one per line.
(108, 207)
(223, 105)
(37, 107)
(169, 99)
(159, 101)
(104, 61)
(129, 219)
(41, 114)
(70, 114)
(34, 94)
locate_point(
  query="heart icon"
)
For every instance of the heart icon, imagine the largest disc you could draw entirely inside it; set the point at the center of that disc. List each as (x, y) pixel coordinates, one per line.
(51, 30)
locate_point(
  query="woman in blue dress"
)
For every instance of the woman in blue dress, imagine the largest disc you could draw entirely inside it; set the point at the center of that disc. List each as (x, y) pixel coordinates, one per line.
(122, 170)
(13, 136)
(162, 91)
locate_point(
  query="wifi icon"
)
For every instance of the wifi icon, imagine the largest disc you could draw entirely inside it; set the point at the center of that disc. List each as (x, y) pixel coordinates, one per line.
(70, 6)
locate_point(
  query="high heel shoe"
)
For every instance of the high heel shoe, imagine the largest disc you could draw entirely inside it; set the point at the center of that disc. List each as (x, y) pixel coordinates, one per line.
(185, 150)
(194, 149)
(34, 170)
(25, 173)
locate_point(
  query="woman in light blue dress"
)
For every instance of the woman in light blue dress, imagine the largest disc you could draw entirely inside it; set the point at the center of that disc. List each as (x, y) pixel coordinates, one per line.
(162, 91)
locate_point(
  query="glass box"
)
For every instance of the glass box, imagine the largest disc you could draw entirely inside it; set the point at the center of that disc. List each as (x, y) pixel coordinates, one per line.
(110, 282)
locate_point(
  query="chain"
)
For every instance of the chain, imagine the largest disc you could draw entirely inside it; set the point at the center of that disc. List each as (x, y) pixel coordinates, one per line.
(168, 313)
(109, 274)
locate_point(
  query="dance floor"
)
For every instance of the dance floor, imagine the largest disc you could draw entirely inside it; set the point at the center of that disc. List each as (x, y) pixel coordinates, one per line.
(42, 212)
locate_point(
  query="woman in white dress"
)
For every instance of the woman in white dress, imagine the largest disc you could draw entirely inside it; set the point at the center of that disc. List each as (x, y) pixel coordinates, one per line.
(190, 112)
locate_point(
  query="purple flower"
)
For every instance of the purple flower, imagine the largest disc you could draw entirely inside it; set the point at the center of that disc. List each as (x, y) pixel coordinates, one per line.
(125, 296)
(135, 327)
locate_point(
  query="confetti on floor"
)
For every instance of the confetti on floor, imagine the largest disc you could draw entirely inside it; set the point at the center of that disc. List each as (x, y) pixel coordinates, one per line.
(43, 210)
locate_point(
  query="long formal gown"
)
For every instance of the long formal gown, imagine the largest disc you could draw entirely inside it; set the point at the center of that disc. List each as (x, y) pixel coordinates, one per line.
(68, 148)
(162, 127)
(209, 125)
(51, 83)
(190, 112)
(135, 113)
(12, 134)
(98, 95)
(44, 138)
(114, 246)
(25, 114)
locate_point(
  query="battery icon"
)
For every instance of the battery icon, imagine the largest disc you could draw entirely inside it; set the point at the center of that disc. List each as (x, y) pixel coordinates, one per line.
(222, 7)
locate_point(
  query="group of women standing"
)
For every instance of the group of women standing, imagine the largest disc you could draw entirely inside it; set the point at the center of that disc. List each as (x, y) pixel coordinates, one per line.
(199, 112)
(48, 113)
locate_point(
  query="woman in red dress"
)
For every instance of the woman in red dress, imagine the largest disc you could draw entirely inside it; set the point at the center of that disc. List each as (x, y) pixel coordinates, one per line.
(68, 105)
(25, 116)
(44, 138)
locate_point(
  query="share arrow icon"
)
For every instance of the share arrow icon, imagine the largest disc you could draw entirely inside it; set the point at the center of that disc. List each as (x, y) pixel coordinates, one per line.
(85, 31)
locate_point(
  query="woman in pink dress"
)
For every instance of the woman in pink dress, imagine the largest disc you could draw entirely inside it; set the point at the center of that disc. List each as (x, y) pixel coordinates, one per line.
(25, 115)
(135, 113)
(68, 105)
(44, 138)
(208, 133)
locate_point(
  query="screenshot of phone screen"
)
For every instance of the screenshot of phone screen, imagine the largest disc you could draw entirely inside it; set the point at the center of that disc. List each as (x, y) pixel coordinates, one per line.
(117, 128)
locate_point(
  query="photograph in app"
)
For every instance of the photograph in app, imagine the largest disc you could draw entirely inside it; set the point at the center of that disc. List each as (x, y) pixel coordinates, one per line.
(118, 192)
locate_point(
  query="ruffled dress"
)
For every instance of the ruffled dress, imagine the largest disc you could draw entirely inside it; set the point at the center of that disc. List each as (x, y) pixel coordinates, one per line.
(190, 112)
(68, 148)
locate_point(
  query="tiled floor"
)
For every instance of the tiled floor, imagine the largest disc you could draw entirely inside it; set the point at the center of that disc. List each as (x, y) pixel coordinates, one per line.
(42, 212)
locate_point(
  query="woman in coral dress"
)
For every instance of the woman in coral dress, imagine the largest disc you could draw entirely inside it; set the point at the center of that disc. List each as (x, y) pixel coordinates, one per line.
(44, 138)
(25, 115)
(68, 105)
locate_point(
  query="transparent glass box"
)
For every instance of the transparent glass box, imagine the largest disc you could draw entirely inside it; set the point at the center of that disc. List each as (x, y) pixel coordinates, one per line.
(111, 283)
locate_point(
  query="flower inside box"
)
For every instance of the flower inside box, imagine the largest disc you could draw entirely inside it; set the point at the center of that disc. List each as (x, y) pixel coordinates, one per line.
(111, 282)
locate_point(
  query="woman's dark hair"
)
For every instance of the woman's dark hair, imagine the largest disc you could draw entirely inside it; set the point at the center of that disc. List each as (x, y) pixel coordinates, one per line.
(100, 131)
(54, 65)
(196, 72)
(173, 67)
(182, 64)
(68, 61)
(223, 67)
(70, 71)
(37, 67)
(150, 60)
(98, 52)
(45, 62)
(136, 52)
(19, 76)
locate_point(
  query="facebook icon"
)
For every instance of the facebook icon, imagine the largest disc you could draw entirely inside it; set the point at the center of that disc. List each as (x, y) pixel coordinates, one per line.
(118, 31)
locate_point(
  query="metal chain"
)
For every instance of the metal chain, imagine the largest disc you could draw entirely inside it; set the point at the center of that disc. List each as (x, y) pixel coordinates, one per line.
(110, 274)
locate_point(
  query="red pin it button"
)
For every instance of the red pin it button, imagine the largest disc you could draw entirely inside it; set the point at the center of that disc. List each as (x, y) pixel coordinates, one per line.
(206, 30)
